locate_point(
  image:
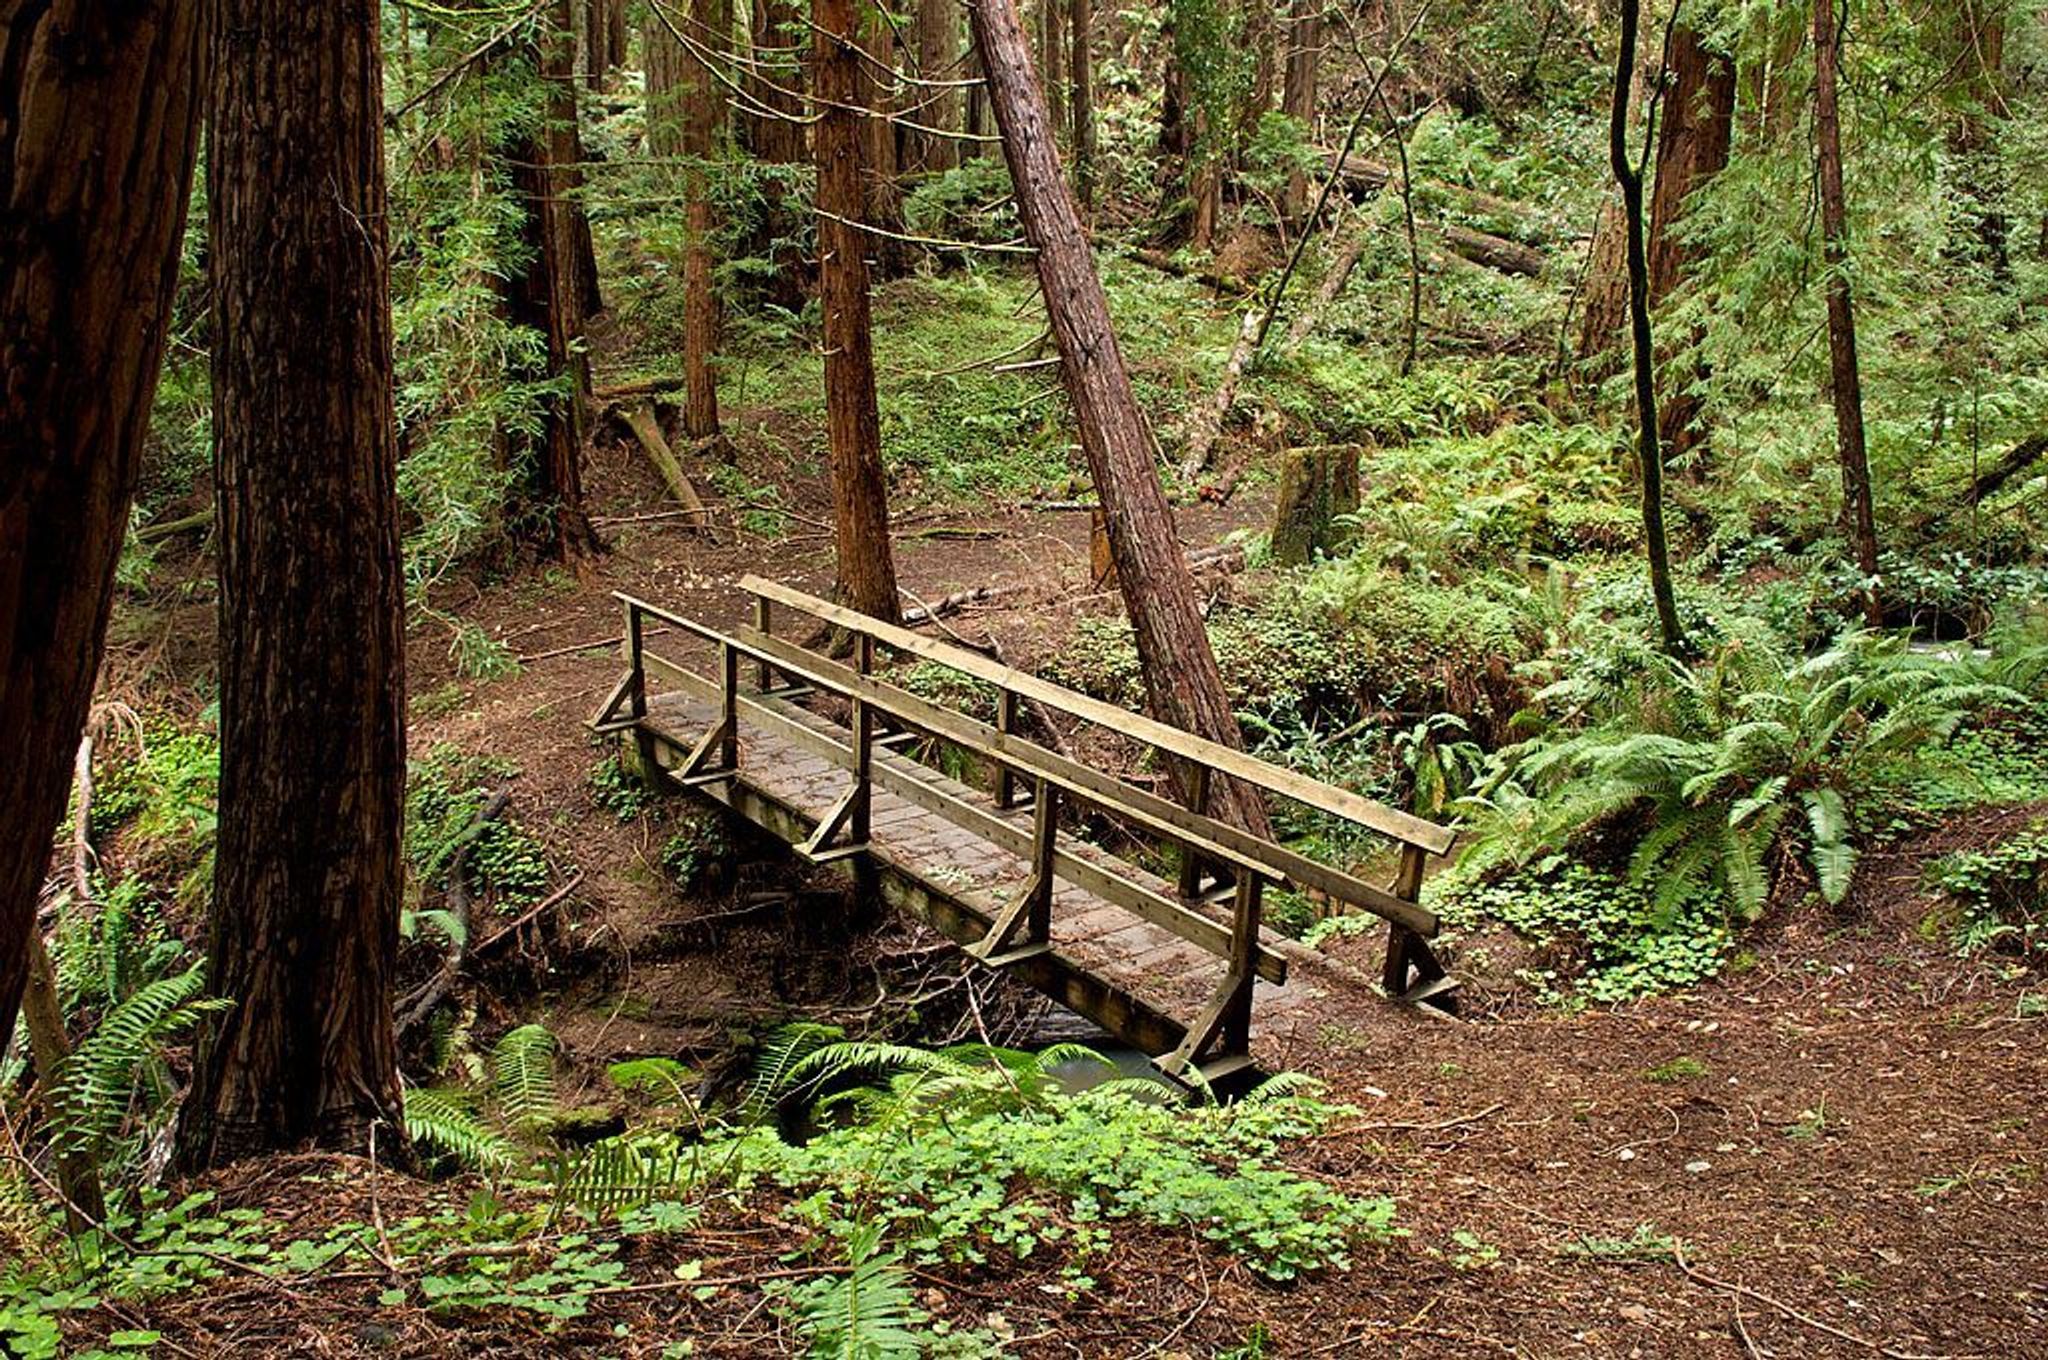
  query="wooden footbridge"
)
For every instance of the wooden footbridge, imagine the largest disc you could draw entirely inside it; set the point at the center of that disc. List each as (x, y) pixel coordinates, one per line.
(842, 761)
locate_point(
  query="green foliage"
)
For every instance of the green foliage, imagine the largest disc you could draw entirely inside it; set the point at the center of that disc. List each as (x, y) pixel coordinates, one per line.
(867, 1313)
(501, 863)
(697, 853)
(1615, 939)
(2001, 895)
(1022, 1165)
(1709, 773)
(114, 1090)
(523, 1078)
(624, 795)
(446, 1122)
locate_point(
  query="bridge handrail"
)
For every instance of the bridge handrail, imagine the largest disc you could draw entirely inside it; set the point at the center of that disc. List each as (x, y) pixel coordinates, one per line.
(1342, 803)
(1027, 758)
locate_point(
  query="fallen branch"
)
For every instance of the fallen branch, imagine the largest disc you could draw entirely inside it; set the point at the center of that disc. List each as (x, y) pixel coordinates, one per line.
(1167, 264)
(170, 528)
(1744, 1291)
(640, 421)
(549, 903)
(951, 604)
(1334, 279)
(2022, 456)
(421, 1003)
(1206, 426)
(1516, 221)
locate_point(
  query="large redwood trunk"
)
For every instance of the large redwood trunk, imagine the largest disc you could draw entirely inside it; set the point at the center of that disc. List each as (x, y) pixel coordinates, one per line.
(1181, 678)
(551, 295)
(308, 872)
(99, 124)
(1693, 140)
(703, 110)
(860, 492)
(1858, 517)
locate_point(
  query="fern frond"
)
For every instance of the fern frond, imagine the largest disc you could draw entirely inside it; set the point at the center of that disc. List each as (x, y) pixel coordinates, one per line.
(869, 1313)
(93, 1088)
(444, 1122)
(523, 1078)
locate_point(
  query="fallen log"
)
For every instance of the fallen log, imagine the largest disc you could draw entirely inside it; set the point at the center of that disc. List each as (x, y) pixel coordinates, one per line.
(1188, 269)
(2022, 456)
(1206, 426)
(1513, 220)
(170, 528)
(1495, 252)
(640, 422)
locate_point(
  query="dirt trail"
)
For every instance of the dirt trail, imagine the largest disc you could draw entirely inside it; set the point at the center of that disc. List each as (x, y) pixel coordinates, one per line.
(1843, 1144)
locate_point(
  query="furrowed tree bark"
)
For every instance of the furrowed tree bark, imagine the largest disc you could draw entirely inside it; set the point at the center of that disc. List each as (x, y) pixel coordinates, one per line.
(1859, 519)
(1181, 678)
(1650, 447)
(668, 85)
(860, 491)
(550, 295)
(703, 108)
(1694, 134)
(99, 125)
(303, 931)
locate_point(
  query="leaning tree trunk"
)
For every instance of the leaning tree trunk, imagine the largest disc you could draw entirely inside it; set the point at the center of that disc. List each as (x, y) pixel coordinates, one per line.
(1181, 678)
(1693, 139)
(308, 870)
(860, 492)
(550, 295)
(703, 106)
(1859, 519)
(1650, 445)
(99, 124)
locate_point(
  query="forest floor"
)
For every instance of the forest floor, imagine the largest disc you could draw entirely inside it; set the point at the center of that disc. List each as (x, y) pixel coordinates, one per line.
(1835, 1151)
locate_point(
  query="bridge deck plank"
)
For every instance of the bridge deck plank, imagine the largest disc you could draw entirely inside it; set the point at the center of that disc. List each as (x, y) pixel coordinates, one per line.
(1134, 956)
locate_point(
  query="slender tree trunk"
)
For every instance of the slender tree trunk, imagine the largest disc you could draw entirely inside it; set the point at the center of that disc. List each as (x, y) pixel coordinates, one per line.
(1181, 678)
(1977, 38)
(1649, 445)
(1052, 61)
(976, 115)
(1859, 519)
(551, 295)
(1298, 89)
(1081, 24)
(1694, 134)
(882, 188)
(99, 124)
(860, 491)
(668, 85)
(703, 108)
(778, 83)
(938, 58)
(308, 871)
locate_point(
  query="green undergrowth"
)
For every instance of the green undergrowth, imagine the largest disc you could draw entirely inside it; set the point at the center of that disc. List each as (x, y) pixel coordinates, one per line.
(503, 865)
(869, 1160)
(1998, 897)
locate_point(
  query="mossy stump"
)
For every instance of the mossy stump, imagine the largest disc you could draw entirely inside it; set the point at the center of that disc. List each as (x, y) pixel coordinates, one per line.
(1318, 494)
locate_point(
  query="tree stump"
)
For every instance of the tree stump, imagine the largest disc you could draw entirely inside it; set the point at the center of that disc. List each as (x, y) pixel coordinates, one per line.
(1318, 488)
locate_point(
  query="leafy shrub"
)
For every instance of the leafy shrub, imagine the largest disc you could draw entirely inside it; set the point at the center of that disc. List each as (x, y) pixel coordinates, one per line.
(1710, 776)
(444, 795)
(2001, 895)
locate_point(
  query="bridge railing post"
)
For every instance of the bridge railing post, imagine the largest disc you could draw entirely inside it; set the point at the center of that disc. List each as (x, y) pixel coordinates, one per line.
(764, 621)
(1246, 916)
(863, 746)
(644, 748)
(1190, 883)
(1006, 721)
